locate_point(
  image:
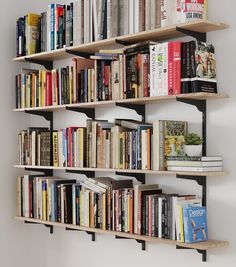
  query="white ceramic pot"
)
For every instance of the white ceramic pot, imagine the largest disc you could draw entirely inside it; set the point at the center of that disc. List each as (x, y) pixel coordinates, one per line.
(193, 151)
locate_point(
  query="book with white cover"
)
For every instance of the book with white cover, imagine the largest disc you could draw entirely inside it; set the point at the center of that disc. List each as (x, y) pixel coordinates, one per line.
(195, 169)
(131, 16)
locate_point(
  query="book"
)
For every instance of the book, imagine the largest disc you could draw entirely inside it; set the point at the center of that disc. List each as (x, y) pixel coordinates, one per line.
(195, 224)
(195, 169)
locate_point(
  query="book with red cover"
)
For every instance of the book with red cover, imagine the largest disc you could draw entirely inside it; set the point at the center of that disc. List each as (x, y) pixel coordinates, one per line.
(48, 88)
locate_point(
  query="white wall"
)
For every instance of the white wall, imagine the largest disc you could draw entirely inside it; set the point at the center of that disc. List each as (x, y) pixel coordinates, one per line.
(75, 248)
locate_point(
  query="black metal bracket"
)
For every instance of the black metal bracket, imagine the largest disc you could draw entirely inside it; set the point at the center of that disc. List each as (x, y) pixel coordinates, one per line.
(93, 237)
(47, 172)
(89, 112)
(47, 64)
(122, 42)
(203, 252)
(201, 180)
(202, 107)
(46, 225)
(139, 108)
(200, 36)
(89, 174)
(79, 53)
(46, 115)
(142, 242)
(141, 177)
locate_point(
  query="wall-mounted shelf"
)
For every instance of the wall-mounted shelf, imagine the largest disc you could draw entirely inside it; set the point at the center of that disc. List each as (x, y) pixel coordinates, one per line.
(165, 33)
(145, 100)
(151, 172)
(201, 247)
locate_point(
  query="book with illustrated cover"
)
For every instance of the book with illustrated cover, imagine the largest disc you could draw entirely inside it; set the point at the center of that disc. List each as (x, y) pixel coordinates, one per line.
(195, 224)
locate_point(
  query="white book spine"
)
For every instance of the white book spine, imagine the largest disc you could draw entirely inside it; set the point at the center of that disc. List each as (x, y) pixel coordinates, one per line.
(153, 70)
(90, 20)
(109, 19)
(147, 16)
(49, 28)
(136, 16)
(165, 69)
(95, 19)
(73, 205)
(160, 217)
(131, 16)
(160, 64)
(26, 196)
(152, 14)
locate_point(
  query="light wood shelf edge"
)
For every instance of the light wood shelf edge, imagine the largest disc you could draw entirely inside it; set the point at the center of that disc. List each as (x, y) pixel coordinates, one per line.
(144, 100)
(210, 244)
(159, 33)
(150, 172)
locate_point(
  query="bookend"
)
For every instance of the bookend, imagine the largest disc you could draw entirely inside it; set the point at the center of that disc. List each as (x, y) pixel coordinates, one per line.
(203, 252)
(122, 42)
(45, 171)
(89, 112)
(79, 54)
(142, 242)
(47, 64)
(88, 232)
(46, 225)
(200, 36)
(139, 176)
(140, 109)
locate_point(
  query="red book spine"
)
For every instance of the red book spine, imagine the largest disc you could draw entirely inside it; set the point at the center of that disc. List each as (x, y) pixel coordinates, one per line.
(177, 68)
(48, 88)
(170, 68)
(150, 216)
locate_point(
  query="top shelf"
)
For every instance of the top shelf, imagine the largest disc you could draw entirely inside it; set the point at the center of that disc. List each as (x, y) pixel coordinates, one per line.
(158, 34)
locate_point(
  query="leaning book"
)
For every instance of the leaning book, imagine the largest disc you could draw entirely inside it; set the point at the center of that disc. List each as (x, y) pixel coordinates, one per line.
(195, 224)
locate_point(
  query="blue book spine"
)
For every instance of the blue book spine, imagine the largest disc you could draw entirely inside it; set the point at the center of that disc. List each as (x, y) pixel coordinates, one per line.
(53, 202)
(52, 25)
(195, 224)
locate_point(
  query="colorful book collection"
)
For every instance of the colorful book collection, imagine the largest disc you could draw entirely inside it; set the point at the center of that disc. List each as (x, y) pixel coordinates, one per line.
(146, 69)
(85, 21)
(111, 204)
(125, 144)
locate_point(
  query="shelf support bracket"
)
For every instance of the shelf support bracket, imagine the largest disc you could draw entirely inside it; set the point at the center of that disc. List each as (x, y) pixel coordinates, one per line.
(201, 180)
(140, 109)
(122, 42)
(46, 225)
(203, 252)
(139, 176)
(45, 171)
(200, 36)
(89, 112)
(89, 174)
(93, 238)
(202, 107)
(47, 64)
(142, 242)
(79, 54)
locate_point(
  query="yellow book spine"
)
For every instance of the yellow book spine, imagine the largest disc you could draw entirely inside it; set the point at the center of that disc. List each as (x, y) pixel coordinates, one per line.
(55, 149)
(44, 200)
(43, 94)
(128, 217)
(181, 225)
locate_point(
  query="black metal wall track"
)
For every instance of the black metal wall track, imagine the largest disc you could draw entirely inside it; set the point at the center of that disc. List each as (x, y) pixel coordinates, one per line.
(47, 64)
(141, 177)
(45, 171)
(201, 180)
(202, 107)
(142, 242)
(79, 53)
(46, 225)
(89, 112)
(93, 236)
(89, 174)
(203, 252)
(140, 109)
(200, 36)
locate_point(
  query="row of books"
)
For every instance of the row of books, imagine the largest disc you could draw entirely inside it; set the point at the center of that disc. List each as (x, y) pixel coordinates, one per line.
(111, 204)
(146, 69)
(85, 21)
(124, 144)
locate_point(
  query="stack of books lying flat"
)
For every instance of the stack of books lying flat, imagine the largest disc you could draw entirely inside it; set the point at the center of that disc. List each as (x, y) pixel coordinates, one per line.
(200, 164)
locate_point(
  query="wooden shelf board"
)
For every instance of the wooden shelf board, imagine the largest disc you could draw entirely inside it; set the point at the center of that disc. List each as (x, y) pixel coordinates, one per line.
(145, 100)
(201, 245)
(150, 172)
(155, 35)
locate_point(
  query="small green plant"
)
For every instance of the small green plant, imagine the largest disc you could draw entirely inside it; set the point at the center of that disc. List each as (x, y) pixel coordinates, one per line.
(193, 139)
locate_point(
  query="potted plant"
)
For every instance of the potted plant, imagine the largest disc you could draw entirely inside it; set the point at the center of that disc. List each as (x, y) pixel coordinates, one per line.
(193, 145)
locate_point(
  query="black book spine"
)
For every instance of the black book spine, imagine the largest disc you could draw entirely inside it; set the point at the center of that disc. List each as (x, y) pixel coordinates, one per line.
(147, 216)
(17, 37)
(192, 58)
(128, 77)
(58, 203)
(184, 60)
(71, 24)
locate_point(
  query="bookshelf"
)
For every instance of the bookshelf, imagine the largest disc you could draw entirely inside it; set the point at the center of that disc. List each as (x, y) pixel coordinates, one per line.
(197, 29)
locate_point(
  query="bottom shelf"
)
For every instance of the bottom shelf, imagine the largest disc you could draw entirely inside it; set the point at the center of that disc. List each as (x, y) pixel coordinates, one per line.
(200, 247)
